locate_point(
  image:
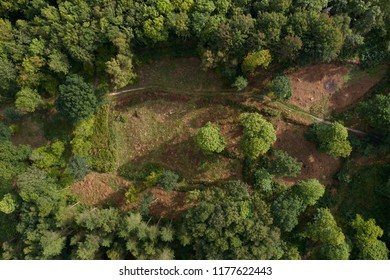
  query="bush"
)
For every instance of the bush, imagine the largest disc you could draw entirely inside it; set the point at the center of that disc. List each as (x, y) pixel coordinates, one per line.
(152, 179)
(240, 83)
(262, 180)
(78, 167)
(5, 132)
(27, 100)
(210, 139)
(258, 136)
(11, 115)
(168, 180)
(282, 164)
(281, 87)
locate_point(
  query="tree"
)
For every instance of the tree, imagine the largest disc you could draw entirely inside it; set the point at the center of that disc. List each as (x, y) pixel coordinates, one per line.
(76, 99)
(324, 228)
(168, 180)
(310, 191)
(49, 155)
(377, 112)
(282, 164)
(78, 167)
(281, 87)
(210, 139)
(366, 240)
(258, 135)
(286, 211)
(240, 83)
(5, 132)
(253, 60)
(27, 100)
(121, 71)
(290, 204)
(333, 140)
(231, 224)
(262, 180)
(8, 204)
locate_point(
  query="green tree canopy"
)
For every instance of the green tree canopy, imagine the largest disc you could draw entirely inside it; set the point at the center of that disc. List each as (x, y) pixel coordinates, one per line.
(258, 135)
(282, 164)
(231, 224)
(210, 139)
(281, 87)
(27, 100)
(368, 245)
(76, 99)
(333, 140)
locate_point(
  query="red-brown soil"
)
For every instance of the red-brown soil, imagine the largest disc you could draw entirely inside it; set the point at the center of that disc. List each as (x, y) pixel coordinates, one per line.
(316, 165)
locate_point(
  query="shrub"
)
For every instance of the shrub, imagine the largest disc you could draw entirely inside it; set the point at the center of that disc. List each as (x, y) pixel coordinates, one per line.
(258, 136)
(281, 87)
(262, 180)
(282, 164)
(168, 180)
(210, 139)
(240, 83)
(27, 100)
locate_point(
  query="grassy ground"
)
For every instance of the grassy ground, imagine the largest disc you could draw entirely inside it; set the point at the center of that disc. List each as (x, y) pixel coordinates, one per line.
(161, 132)
(182, 74)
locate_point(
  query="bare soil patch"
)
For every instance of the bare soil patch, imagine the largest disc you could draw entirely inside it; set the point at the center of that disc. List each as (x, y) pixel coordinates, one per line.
(316, 165)
(168, 204)
(357, 88)
(323, 88)
(97, 189)
(312, 83)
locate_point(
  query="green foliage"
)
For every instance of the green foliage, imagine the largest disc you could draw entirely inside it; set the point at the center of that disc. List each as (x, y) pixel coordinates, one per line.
(258, 135)
(78, 168)
(76, 99)
(324, 228)
(210, 139)
(333, 140)
(49, 155)
(281, 87)
(82, 133)
(240, 83)
(8, 204)
(310, 191)
(27, 100)
(289, 205)
(366, 240)
(121, 71)
(377, 112)
(232, 224)
(152, 179)
(103, 141)
(5, 132)
(12, 159)
(11, 115)
(282, 164)
(262, 180)
(256, 59)
(168, 180)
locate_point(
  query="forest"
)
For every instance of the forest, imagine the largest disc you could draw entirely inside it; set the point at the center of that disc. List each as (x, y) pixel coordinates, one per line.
(194, 129)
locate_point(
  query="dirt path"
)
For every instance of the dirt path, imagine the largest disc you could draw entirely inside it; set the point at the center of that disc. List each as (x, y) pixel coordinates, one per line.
(247, 94)
(289, 108)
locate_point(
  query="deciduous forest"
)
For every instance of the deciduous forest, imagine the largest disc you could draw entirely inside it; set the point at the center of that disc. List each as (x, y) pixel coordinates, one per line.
(194, 129)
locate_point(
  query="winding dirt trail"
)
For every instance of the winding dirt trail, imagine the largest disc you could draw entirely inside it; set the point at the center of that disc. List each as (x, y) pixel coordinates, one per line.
(248, 94)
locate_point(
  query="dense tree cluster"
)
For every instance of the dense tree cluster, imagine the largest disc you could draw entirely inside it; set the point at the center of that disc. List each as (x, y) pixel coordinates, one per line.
(71, 53)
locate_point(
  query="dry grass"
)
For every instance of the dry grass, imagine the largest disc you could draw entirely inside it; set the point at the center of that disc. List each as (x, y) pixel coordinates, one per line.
(162, 132)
